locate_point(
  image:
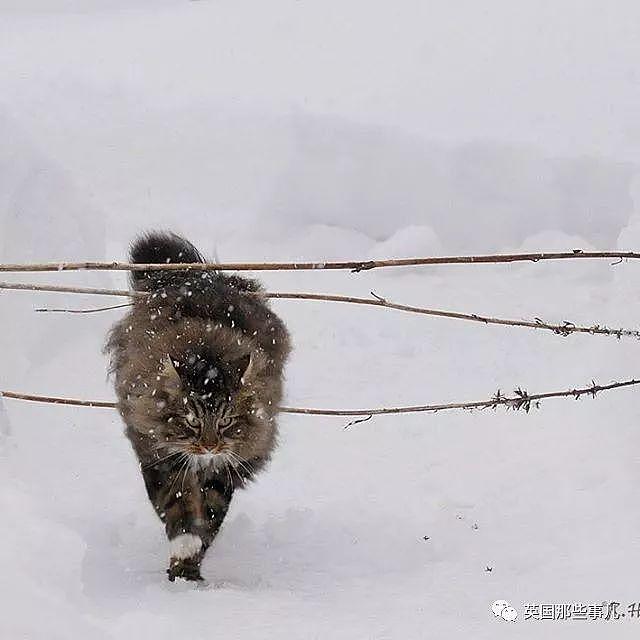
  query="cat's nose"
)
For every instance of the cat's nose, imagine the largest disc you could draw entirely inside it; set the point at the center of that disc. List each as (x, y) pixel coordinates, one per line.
(209, 440)
(213, 447)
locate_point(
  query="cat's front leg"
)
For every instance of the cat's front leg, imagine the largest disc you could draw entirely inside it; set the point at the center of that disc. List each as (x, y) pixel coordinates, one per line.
(192, 509)
(205, 507)
(186, 554)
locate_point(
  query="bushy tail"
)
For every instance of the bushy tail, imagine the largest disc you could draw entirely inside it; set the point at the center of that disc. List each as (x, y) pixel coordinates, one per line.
(159, 247)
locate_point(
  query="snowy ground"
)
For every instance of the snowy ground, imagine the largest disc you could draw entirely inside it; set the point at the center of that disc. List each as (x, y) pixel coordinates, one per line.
(297, 130)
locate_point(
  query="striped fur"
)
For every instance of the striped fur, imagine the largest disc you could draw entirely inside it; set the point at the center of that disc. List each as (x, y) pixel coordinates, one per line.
(198, 374)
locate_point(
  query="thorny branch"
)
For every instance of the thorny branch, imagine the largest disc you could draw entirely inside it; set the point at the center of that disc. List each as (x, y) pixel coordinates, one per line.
(355, 266)
(521, 400)
(564, 329)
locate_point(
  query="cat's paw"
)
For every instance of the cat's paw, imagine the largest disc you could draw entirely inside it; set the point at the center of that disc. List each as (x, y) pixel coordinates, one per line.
(187, 569)
(186, 554)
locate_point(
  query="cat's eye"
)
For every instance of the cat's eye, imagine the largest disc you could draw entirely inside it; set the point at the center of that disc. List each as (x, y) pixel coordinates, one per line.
(223, 423)
(192, 420)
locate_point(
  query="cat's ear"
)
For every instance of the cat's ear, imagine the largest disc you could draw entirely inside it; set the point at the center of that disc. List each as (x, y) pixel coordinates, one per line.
(241, 369)
(169, 374)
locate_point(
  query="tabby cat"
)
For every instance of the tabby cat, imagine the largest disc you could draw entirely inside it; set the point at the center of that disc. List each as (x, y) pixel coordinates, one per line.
(198, 366)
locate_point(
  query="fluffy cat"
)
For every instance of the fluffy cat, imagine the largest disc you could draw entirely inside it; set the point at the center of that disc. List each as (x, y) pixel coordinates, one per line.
(198, 367)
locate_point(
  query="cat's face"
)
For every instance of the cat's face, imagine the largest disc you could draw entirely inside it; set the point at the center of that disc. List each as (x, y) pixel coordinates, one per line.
(202, 413)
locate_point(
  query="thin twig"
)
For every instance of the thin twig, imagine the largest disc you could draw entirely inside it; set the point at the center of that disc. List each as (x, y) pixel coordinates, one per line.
(357, 421)
(564, 329)
(353, 265)
(94, 310)
(521, 400)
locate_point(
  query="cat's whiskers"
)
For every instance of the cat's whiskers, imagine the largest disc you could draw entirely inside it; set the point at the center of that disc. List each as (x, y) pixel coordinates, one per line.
(187, 469)
(226, 466)
(244, 464)
(159, 460)
(243, 461)
(183, 460)
(234, 464)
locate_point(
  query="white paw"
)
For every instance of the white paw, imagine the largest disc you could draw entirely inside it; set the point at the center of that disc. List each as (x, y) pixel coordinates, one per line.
(184, 546)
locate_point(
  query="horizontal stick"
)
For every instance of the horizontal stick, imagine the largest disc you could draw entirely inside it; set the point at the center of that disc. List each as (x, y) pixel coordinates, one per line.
(521, 400)
(353, 265)
(53, 400)
(54, 288)
(563, 329)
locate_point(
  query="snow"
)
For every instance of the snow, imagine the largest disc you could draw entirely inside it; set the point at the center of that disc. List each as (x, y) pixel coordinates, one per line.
(5, 426)
(315, 132)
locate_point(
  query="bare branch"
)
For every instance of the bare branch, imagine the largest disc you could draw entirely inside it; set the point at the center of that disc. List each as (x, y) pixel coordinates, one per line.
(52, 400)
(355, 266)
(94, 310)
(20, 286)
(357, 421)
(564, 329)
(521, 400)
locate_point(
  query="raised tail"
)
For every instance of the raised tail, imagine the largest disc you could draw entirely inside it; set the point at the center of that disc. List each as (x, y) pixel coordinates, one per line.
(158, 247)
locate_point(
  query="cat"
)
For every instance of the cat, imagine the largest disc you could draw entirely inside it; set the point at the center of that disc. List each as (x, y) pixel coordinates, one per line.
(198, 366)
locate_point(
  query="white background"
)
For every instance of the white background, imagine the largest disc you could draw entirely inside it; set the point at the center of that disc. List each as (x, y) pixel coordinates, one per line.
(298, 130)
